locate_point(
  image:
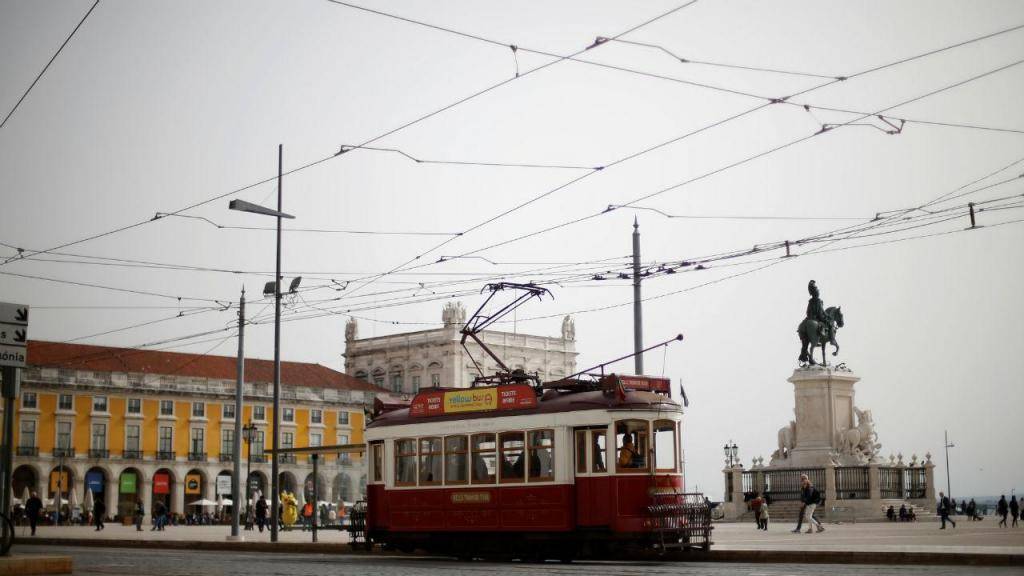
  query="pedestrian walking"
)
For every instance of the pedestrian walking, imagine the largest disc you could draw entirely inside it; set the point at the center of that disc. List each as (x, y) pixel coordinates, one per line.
(811, 497)
(139, 513)
(762, 520)
(1014, 509)
(159, 516)
(32, 508)
(755, 507)
(1002, 509)
(944, 508)
(99, 509)
(261, 513)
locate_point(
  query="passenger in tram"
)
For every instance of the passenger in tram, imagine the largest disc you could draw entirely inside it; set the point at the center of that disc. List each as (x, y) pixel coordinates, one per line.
(628, 456)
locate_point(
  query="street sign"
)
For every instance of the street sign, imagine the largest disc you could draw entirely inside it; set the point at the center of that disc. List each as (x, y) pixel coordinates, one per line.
(13, 334)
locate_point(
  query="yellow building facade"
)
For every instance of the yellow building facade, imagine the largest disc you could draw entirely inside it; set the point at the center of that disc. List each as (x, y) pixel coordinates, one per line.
(121, 425)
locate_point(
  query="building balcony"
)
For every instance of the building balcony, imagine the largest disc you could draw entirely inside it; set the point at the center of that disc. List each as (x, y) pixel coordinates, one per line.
(28, 451)
(286, 458)
(63, 452)
(131, 454)
(99, 453)
(258, 458)
(227, 457)
(162, 455)
(197, 456)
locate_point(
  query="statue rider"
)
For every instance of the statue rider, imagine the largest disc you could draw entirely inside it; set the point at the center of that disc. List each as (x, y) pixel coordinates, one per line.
(816, 309)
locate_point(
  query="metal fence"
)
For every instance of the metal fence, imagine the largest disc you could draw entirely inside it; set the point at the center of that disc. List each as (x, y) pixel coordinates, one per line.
(785, 484)
(749, 483)
(852, 484)
(890, 482)
(915, 483)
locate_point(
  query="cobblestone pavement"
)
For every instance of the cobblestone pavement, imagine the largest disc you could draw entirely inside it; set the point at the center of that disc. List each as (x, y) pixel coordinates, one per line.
(127, 562)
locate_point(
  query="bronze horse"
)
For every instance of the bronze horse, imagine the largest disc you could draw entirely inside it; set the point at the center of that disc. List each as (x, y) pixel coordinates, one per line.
(818, 334)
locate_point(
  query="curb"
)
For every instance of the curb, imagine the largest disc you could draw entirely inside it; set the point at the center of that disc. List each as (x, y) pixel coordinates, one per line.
(731, 556)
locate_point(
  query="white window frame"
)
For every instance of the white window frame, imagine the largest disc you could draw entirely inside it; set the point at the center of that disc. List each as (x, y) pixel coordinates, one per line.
(35, 400)
(313, 422)
(224, 409)
(261, 418)
(344, 418)
(160, 409)
(128, 407)
(70, 410)
(192, 410)
(35, 433)
(71, 433)
(126, 447)
(106, 404)
(92, 435)
(158, 429)
(288, 414)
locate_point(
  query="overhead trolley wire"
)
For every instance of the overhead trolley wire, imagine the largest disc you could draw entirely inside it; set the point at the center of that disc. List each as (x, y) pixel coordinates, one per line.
(47, 66)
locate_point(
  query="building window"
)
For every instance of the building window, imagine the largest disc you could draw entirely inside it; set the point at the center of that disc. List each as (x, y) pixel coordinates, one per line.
(29, 400)
(484, 462)
(227, 441)
(134, 406)
(378, 381)
(435, 380)
(343, 418)
(363, 376)
(316, 440)
(166, 408)
(166, 440)
(199, 410)
(132, 441)
(456, 450)
(316, 416)
(64, 435)
(99, 436)
(227, 412)
(259, 412)
(288, 415)
(28, 434)
(287, 440)
(415, 383)
(99, 403)
(198, 446)
(396, 382)
(65, 402)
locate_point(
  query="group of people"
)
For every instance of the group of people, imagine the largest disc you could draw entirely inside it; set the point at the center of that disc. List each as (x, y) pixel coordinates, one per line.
(1011, 508)
(904, 515)
(810, 499)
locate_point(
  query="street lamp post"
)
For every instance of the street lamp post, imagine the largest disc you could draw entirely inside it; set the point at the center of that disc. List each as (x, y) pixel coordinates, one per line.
(949, 491)
(731, 453)
(248, 432)
(244, 206)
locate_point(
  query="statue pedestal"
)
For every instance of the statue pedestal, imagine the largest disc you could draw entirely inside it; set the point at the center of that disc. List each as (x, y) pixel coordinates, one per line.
(824, 409)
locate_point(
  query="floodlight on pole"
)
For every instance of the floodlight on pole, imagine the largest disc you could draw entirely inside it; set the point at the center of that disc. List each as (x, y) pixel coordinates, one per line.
(243, 206)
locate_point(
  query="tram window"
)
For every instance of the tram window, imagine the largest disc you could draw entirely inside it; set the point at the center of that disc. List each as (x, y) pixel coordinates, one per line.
(430, 461)
(484, 464)
(665, 445)
(631, 444)
(455, 448)
(598, 449)
(378, 462)
(405, 462)
(542, 455)
(512, 456)
(581, 451)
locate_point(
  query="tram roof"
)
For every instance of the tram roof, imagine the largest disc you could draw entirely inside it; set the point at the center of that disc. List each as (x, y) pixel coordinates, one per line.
(553, 401)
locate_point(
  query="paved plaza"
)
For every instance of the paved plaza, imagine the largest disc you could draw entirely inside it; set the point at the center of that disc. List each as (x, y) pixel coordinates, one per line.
(106, 561)
(972, 538)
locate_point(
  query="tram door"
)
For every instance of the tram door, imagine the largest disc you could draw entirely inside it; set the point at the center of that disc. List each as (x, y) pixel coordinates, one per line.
(593, 485)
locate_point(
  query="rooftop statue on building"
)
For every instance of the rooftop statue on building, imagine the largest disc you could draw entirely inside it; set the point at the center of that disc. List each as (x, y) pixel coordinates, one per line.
(819, 327)
(351, 330)
(453, 314)
(568, 328)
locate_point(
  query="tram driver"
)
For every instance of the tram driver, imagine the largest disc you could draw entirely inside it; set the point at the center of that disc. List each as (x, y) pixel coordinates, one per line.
(628, 456)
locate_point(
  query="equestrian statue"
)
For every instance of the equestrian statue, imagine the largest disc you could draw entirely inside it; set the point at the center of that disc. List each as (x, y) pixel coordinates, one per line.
(818, 328)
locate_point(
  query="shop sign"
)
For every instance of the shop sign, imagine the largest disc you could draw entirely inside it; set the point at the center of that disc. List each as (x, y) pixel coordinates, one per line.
(161, 483)
(94, 482)
(128, 483)
(192, 483)
(224, 485)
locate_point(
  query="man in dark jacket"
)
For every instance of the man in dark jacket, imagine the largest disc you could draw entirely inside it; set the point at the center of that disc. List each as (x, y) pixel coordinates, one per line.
(944, 509)
(99, 509)
(1014, 509)
(32, 508)
(140, 511)
(261, 513)
(1002, 509)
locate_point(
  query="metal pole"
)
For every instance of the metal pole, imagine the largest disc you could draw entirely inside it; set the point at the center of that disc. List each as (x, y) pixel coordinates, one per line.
(10, 386)
(236, 449)
(275, 497)
(949, 490)
(638, 325)
(316, 494)
(60, 481)
(248, 482)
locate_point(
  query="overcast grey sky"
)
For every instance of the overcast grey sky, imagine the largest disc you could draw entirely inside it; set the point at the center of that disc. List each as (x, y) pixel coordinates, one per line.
(154, 106)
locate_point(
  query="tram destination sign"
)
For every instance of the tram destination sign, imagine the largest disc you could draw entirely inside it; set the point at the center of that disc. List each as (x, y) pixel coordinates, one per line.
(13, 334)
(436, 403)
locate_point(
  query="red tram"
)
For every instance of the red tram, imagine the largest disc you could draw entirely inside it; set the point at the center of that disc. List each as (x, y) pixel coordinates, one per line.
(558, 470)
